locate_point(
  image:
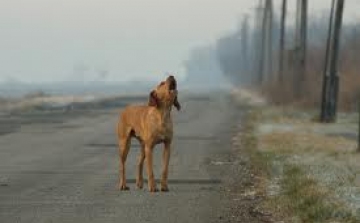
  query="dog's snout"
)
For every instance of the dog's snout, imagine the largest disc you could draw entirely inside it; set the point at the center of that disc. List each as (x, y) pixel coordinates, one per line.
(172, 82)
(172, 86)
(171, 78)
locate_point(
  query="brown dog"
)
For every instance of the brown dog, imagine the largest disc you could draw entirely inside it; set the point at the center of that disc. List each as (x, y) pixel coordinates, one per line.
(151, 124)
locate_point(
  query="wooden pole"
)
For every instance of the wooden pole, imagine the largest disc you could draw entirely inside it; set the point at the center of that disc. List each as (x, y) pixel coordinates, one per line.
(266, 43)
(331, 88)
(244, 48)
(269, 40)
(262, 46)
(303, 32)
(298, 51)
(282, 41)
(258, 43)
(334, 81)
(301, 54)
(359, 127)
(325, 88)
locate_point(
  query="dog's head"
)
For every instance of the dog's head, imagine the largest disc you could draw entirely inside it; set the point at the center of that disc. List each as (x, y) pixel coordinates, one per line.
(165, 94)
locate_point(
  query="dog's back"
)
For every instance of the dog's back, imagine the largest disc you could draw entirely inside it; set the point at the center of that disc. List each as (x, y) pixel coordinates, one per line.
(132, 120)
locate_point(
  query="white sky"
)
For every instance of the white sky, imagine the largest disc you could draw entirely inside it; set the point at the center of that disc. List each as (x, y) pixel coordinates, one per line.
(43, 40)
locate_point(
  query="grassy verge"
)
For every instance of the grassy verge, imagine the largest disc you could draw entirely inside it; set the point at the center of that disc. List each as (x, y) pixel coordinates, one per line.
(261, 161)
(300, 197)
(304, 197)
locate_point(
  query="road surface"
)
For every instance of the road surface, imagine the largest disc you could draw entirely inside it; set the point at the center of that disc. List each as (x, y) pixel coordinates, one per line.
(63, 167)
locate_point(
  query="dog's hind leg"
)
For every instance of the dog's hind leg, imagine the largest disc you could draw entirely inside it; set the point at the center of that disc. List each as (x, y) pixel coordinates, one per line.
(124, 146)
(165, 170)
(140, 166)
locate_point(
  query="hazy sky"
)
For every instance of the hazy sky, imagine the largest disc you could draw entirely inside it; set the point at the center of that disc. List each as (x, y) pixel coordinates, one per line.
(46, 40)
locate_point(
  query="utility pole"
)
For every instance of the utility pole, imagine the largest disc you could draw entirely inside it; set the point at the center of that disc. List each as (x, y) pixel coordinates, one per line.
(332, 86)
(359, 127)
(265, 71)
(300, 46)
(297, 24)
(303, 42)
(326, 76)
(282, 41)
(244, 46)
(269, 39)
(259, 43)
(334, 82)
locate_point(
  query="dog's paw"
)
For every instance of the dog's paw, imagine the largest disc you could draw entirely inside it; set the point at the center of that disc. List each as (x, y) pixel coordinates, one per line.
(139, 185)
(164, 189)
(124, 188)
(153, 190)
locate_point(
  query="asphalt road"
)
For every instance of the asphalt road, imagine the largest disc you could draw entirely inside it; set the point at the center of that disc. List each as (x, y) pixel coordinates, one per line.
(63, 167)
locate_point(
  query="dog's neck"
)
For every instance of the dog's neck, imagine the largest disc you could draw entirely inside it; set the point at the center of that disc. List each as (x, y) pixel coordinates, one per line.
(165, 114)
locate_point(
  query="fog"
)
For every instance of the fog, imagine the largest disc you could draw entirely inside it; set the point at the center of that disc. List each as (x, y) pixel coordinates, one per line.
(117, 41)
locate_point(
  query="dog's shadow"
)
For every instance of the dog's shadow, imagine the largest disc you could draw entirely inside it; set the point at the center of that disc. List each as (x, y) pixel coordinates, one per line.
(110, 145)
(170, 181)
(185, 181)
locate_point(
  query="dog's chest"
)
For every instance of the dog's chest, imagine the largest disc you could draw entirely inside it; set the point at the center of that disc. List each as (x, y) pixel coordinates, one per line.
(159, 128)
(164, 132)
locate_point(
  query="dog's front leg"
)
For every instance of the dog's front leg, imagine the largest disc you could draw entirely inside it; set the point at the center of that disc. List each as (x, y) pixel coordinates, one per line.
(149, 165)
(140, 165)
(165, 170)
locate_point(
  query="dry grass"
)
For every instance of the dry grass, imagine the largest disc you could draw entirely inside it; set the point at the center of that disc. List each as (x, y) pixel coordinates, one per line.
(304, 200)
(247, 97)
(309, 85)
(32, 101)
(349, 93)
(299, 143)
(294, 144)
(249, 142)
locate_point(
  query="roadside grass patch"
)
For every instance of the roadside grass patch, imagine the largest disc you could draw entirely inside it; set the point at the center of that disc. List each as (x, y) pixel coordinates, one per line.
(261, 161)
(303, 142)
(300, 197)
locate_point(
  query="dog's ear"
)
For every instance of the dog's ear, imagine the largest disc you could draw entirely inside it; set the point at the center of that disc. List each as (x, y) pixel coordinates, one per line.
(177, 104)
(153, 100)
